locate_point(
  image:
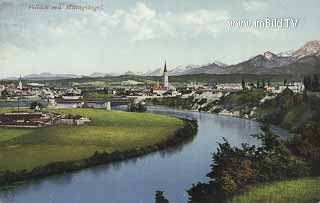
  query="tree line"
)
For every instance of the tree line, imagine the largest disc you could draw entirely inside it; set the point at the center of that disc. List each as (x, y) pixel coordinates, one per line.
(311, 83)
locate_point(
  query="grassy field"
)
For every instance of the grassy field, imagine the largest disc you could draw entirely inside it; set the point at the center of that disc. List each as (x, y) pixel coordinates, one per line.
(295, 191)
(98, 96)
(109, 131)
(11, 109)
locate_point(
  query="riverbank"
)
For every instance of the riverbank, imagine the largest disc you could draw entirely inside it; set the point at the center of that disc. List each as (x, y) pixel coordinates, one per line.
(237, 104)
(292, 191)
(238, 171)
(130, 135)
(287, 110)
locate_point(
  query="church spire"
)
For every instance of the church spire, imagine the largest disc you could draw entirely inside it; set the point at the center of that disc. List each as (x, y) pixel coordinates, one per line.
(165, 76)
(20, 83)
(165, 67)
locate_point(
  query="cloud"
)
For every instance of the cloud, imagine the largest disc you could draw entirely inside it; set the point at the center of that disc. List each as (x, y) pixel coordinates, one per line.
(82, 39)
(142, 12)
(138, 23)
(145, 23)
(254, 5)
(209, 22)
(202, 17)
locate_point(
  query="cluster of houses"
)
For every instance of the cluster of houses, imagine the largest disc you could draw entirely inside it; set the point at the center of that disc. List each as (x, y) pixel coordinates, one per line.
(296, 87)
(19, 94)
(39, 119)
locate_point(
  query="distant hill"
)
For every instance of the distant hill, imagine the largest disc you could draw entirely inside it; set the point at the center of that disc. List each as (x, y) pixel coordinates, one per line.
(50, 76)
(100, 75)
(183, 70)
(130, 73)
(306, 60)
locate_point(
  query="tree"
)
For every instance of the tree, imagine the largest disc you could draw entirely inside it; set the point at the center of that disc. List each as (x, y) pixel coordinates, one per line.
(311, 83)
(36, 106)
(233, 169)
(263, 83)
(258, 83)
(307, 83)
(269, 83)
(4, 93)
(243, 83)
(137, 107)
(285, 82)
(160, 198)
(204, 193)
(315, 83)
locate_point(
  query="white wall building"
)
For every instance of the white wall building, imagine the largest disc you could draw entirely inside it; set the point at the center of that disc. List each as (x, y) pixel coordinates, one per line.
(229, 87)
(71, 97)
(20, 87)
(296, 87)
(2, 87)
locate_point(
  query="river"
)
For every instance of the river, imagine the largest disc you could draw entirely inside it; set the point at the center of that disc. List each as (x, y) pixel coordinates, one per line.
(173, 170)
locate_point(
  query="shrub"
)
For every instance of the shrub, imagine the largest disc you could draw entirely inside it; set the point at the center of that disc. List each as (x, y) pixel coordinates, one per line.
(233, 168)
(160, 198)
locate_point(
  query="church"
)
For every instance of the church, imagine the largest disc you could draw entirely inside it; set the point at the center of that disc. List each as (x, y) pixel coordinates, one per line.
(165, 86)
(165, 77)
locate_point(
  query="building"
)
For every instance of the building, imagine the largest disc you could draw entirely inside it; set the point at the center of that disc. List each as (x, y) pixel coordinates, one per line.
(25, 120)
(195, 85)
(161, 89)
(131, 83)
(229, 87)
(98, 104)
(165, 77)
(60, 104)
(20, 87)
(296, 87)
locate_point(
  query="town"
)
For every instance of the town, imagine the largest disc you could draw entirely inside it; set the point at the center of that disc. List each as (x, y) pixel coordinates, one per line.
(23, 93)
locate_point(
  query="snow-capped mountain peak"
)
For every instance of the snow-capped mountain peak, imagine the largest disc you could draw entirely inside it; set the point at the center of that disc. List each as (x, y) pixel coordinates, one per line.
(269, 55)
(310, 48)
(286, 53)
(219, 63)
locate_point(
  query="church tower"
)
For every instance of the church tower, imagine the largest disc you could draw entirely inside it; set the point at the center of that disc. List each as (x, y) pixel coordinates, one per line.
(20, 87)
(165, 76)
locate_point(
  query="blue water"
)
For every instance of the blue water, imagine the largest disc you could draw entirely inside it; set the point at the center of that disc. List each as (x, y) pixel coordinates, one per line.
(173, 170)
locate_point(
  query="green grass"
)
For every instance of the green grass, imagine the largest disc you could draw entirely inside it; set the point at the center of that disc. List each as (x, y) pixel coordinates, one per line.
(294, 191)
(109, 131)
(246, 97)
(99, 96)
(12, 109)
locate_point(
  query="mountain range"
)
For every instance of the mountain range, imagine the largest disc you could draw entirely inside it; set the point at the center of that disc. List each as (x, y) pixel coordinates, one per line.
(305, 60)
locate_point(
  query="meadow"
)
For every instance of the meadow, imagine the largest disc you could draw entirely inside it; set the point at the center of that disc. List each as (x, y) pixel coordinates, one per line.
(293, 191)
(109, 131)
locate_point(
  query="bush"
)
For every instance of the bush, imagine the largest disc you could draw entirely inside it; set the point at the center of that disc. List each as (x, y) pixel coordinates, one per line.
(233, 168)
(306, 144)
(160, 198)
(36, 106)
(137, 108)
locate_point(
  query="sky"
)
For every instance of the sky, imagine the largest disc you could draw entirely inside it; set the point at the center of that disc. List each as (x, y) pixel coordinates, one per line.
(122, 35)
